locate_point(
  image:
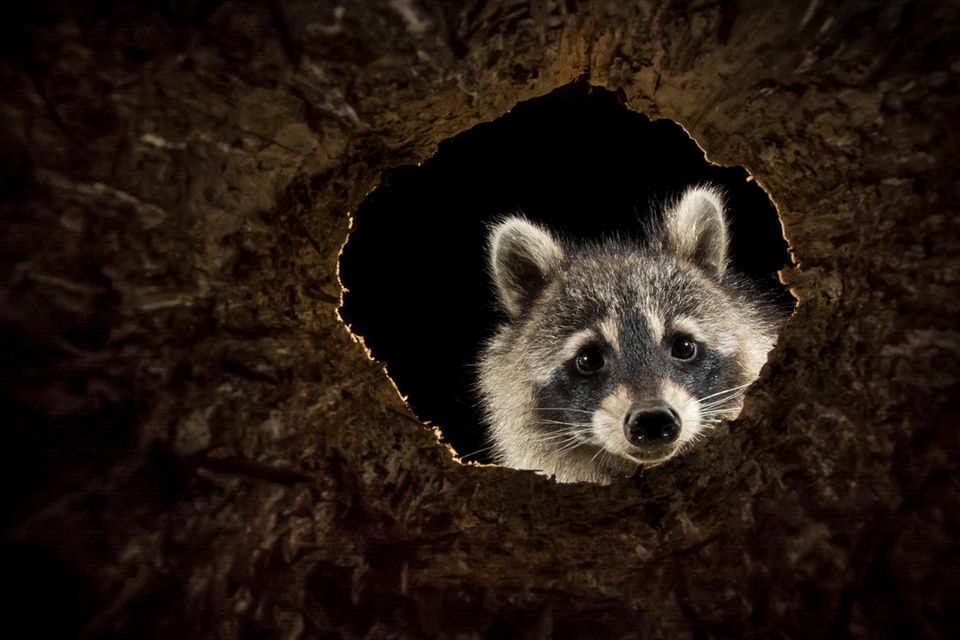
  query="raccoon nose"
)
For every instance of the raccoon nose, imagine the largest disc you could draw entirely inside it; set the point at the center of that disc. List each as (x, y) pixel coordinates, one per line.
(659, 425)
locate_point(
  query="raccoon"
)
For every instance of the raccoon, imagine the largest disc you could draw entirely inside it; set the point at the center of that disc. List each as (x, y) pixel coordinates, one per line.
(618, 354)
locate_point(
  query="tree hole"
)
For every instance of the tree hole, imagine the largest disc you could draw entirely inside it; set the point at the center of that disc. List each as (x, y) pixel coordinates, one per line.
(414, 269)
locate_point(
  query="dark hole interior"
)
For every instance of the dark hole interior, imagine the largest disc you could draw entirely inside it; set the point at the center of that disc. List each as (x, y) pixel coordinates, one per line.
(576, 160)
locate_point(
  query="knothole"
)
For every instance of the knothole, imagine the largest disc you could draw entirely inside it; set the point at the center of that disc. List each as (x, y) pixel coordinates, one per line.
(576, 161)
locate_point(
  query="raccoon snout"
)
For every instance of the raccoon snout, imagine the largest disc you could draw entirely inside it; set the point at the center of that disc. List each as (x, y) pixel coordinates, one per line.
(651, 426)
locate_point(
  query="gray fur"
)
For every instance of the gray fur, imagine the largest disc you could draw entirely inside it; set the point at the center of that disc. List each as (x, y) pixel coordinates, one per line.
(697, 231)
(631, 303)
(522, 257)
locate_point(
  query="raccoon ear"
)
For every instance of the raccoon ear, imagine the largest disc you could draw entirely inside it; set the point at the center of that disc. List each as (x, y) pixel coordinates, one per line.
(696, 229)
(523, 258)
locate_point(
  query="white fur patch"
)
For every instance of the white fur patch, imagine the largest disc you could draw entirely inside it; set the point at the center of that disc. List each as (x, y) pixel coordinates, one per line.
(607, 421)
(684, 404)
(610, 332)
(656, 325)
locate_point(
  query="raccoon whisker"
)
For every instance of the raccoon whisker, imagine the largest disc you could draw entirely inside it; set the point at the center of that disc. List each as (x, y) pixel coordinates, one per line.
(704, 428)
(560, 443)
(562, 409)
(717, 412)
(573, 442)
(707, 426)
(727, 405)
(571, 428)
(559, 435)
(473, 453)
(728, 402)
(559, 439)
(554, 435)
(733, 395)
(629, 457)
(721, 397)
(730, 390)
(572, 424)
(571, 446)
(602, 455)
(600, 451)
(686, 447)
(608, 458)
(552, 438)
(733, 405)
(722, 404)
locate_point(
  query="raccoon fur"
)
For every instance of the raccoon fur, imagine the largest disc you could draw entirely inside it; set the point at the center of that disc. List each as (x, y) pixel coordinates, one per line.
(618, 354)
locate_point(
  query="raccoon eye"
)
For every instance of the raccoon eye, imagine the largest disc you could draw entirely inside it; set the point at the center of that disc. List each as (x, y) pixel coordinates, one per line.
(684, 348)
(589, 360)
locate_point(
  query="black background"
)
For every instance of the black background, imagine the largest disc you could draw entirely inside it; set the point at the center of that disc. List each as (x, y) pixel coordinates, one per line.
(577, 160)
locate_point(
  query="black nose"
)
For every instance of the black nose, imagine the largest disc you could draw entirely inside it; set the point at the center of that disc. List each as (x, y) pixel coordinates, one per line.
(658, 425)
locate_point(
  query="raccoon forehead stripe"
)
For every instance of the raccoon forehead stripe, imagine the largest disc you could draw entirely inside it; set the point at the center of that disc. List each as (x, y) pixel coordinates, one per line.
(610, 331)
(655, 325)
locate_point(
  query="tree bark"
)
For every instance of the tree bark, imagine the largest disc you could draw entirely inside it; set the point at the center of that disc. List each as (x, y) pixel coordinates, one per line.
(196, 445)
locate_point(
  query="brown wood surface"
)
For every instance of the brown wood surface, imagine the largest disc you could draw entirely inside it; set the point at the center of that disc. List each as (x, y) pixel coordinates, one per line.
(198, 447)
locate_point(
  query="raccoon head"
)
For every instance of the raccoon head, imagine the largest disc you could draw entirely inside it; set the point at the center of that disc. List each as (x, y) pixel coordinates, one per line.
(616, 354)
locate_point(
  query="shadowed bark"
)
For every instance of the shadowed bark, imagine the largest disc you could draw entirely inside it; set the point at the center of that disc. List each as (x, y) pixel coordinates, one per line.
(196, 444)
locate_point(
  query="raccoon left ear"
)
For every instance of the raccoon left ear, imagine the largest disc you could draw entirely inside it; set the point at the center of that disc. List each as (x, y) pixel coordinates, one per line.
(523, 259)
(696, 229)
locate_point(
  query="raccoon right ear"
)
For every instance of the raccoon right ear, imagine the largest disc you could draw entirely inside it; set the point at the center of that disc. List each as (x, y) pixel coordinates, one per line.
(523, 258)
(696, 229)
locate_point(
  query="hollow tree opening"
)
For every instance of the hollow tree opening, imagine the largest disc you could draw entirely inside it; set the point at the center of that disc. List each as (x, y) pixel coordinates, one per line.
(577, 160)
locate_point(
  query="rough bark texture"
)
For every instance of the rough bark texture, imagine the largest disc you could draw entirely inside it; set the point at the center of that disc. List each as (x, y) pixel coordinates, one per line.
(195, 444)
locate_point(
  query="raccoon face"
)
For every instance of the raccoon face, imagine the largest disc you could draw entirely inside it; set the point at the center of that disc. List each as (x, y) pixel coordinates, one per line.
(635, 382)
(616, 355)
(635, 361)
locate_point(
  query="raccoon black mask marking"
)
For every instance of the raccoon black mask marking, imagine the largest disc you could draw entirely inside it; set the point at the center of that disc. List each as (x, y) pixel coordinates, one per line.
(614, 354)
